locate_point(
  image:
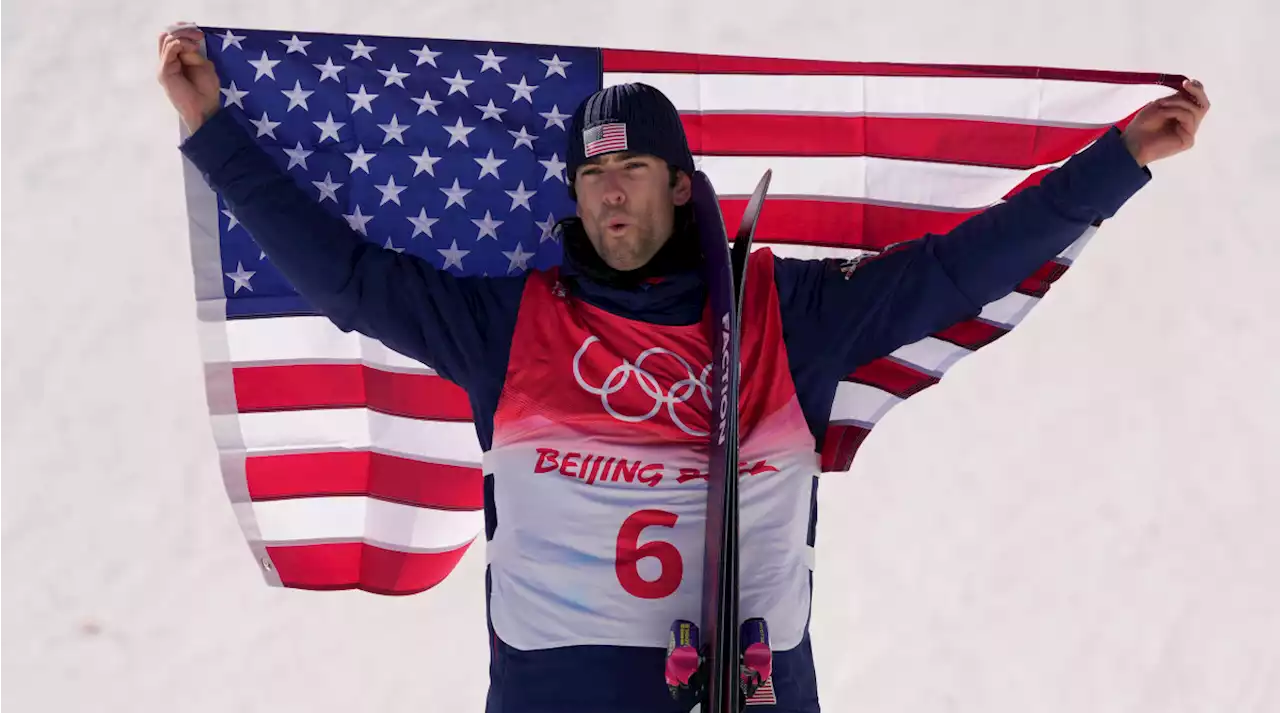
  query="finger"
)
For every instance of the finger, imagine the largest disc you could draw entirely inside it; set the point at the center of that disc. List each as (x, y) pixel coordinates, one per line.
(1194, 88)
(1186, 118)
(1180, 101)
(189, 35)
(169, 57)
(1184, 104)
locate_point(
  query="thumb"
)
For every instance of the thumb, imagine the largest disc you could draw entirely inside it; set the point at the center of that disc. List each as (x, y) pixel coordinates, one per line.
(192, 58)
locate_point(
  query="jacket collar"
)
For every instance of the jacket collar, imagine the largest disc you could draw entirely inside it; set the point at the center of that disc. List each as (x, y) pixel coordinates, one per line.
(669, 290)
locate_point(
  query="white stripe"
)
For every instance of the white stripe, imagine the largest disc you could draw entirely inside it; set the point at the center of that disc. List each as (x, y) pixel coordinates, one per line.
(931, 355)
(310, 340)
(360, 429)
(810, 252)
(921, 184)
(402, 527)
(1039, 101)
(1073, 250)
(1009, 310)
(860, 404)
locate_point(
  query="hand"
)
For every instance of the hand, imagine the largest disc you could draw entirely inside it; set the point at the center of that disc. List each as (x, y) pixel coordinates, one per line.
(1168, 126)
(188, 77)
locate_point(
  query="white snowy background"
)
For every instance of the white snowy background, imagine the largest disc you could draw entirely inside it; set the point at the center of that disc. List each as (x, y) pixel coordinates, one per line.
(1084, 518)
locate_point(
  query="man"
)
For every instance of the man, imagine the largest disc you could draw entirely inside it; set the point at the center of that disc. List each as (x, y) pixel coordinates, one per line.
(588, 382)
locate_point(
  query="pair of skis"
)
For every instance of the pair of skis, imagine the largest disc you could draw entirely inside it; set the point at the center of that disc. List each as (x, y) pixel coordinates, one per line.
(725, 661)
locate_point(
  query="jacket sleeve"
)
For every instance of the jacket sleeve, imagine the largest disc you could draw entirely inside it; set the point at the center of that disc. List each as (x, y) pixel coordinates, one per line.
(853, 315)
(447, 322)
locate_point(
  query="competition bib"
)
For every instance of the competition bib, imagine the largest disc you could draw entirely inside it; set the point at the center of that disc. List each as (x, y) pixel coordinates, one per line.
(599, 460)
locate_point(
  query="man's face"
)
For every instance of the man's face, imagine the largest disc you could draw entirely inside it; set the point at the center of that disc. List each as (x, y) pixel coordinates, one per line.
(627, 205)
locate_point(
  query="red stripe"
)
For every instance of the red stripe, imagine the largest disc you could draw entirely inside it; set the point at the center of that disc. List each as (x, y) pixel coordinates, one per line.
(799, 221)
(377, 475)
(303, 386)
(985, 143)
(896, 378)
(839, 445)
(850, 224)
(972, 334)
(1037, 285)
(355, 565)
(625, 60)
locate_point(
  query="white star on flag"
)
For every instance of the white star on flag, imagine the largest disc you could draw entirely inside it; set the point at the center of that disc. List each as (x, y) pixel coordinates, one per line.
(395, 130)
(329, 128)
(297, 156)
(425, 56)
(328, 189)
(358, 220)
(555, 168)
(453, 256)
(231, 40)
(520, 197)
(488, 226)
(241, 277)
(458, 84)
(265, 67)
(329, 70)
(231, 219)
(389, 246)
(519, 258)
(555, 65)
(522, 137)
(554, 117)
(425, 162)
(426, 103)
(360, 159)
(458, 133)
(489, 165)
(390, 191)
(295, 45)
(297, 96)
(422, 223)
(360, 49)
(266, 127)
(523, 90)
(457, 195)
(548, 228)
(363, 100)
(234, 95)
(490, 60)
(491, 111)
(394, 76)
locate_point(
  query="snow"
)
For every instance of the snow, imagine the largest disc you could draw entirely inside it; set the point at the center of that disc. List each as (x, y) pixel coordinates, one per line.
(1093, 529)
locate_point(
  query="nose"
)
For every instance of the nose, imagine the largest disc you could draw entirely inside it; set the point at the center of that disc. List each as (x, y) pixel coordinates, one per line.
(613, 193)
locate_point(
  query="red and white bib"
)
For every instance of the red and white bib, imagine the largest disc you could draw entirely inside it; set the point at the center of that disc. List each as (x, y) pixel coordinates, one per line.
(599, 460)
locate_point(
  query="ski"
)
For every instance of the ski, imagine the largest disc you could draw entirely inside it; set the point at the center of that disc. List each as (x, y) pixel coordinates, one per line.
(719, 680)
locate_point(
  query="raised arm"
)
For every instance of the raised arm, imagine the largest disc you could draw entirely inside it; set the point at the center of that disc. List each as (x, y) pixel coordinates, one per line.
(453, 324)
(852, 315)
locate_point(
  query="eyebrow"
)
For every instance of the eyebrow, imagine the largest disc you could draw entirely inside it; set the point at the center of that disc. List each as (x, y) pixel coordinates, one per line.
(618, 155)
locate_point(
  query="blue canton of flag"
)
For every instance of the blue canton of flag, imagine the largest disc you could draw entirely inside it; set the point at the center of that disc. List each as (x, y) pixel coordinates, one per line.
(450, 150)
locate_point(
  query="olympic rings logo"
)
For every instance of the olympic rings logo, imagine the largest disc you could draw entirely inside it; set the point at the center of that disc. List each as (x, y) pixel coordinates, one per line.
(680, 392)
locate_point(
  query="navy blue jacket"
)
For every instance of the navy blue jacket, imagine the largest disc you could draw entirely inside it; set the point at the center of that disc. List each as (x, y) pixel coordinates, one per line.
(463, 326)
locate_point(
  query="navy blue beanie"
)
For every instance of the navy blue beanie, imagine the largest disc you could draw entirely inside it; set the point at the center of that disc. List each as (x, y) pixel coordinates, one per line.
(627, 117)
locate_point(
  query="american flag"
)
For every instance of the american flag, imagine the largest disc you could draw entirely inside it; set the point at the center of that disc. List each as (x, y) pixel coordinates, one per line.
(352, 466)
(608, 137)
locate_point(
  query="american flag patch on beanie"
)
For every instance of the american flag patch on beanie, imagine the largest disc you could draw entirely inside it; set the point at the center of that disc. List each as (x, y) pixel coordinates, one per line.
(605, 137)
